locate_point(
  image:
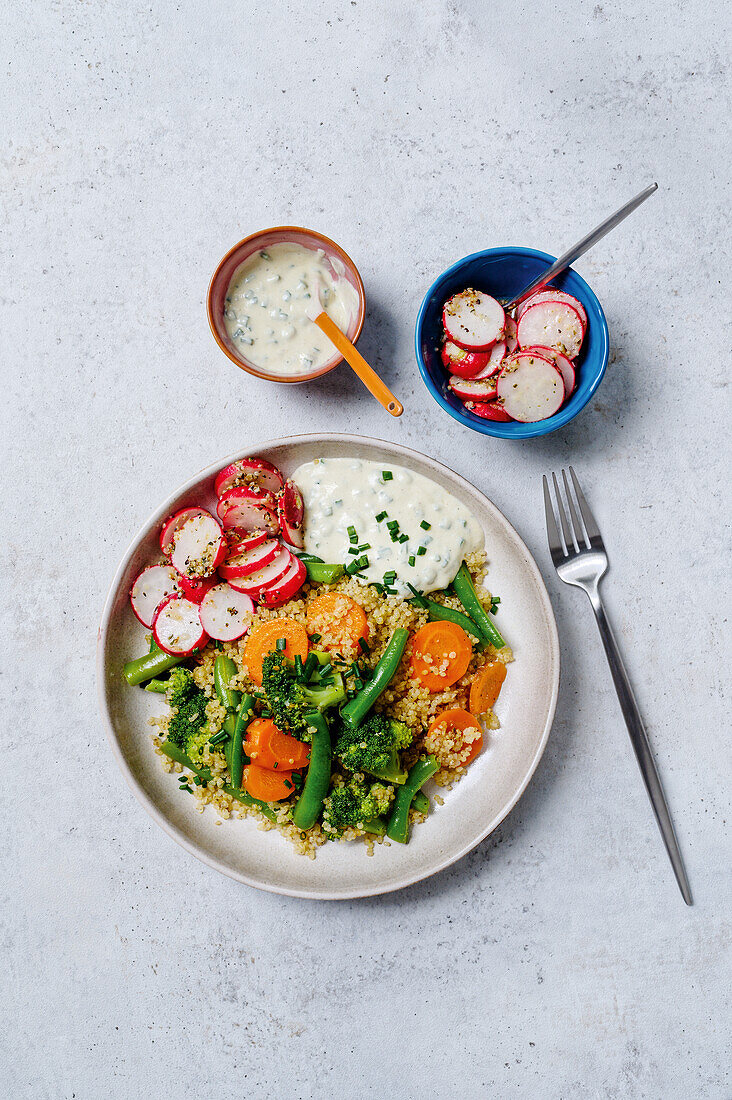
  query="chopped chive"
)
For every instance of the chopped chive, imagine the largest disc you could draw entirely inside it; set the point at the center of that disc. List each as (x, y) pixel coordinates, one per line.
(352, 535)
(358, 684)
(352, 567)
(315, 637)
(365, 546)
(288, 784)
(390, 591)
(276, 764)
(425, 525)
(390, 575)
(363, 562)
(281, 645)
(363, 645)
(299, 674)
(418, 597)
(421, 550)
(393, 525)
(353, 550)
(387, 475)
(379, 588)
(404, 538)
(394, 536)
(495, 600)
(381, 515)
(412, 559)
(325, 669)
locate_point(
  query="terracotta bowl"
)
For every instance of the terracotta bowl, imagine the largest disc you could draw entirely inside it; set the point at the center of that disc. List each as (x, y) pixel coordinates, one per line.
(265, 238)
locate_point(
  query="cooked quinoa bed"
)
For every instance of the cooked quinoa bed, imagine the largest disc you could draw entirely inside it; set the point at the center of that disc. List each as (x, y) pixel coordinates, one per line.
(405, 700)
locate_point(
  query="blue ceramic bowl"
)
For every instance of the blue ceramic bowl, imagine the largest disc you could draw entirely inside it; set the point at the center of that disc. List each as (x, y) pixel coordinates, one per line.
(503, 272)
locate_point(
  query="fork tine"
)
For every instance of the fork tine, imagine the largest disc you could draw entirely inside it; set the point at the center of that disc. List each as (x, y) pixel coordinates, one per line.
(568, 541)
(593, 531)
(552, 531)
(578, 529)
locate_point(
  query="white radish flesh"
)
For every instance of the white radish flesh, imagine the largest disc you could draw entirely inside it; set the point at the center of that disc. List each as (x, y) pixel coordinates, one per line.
(241, 565)
(225, 613)
(199, 546)
(553, 324)
(551, 295)
(530, 387)
(177, 627)
(473, 320)
(495, 359)
(256, 472)
(563, 365)
(255, 583)
(472, 389)
(248, 509)
(172, 525)
(510, 335)
(153, 585)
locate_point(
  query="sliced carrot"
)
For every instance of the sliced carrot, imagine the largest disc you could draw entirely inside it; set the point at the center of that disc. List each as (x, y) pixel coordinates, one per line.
(268, 747)
(486, 687)
(441, 653)
(338, 619)
(263, 640)
(457, 720)
(267, 785)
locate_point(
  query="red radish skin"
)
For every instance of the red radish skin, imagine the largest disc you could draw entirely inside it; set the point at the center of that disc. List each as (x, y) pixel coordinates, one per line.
(490, 410)
(287, 586)
(256, 583)
(242, 565)
(563, 365)
(510, 335)
(226, 614)
(248, 509)
(466, 364)
(254, 472)
(290, 513)
(554, 325)
(472, 389)
(473, 320)
(240, 541)
(495, 360)
(199, 546)
(549, 294)
(154, 585)
(173, 524)
(530, 387)
(177, 627)
(193, 588)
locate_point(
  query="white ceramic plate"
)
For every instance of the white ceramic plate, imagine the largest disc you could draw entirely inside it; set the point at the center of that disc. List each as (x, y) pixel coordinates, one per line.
(474, 807)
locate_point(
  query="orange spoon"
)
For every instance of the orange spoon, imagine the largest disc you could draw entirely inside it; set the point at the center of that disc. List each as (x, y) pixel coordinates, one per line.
(357, 363)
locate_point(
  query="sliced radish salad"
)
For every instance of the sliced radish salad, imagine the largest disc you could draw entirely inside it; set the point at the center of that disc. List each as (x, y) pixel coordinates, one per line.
(505, 367)
(218, 567)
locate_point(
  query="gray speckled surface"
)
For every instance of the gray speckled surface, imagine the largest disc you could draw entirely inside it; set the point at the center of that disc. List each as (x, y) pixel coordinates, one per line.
(557, 960)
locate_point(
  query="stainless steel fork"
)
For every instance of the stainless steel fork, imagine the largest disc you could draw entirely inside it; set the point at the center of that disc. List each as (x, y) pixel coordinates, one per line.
(579, 557)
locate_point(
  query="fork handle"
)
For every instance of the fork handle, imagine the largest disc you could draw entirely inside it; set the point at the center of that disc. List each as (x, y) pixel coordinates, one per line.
(641, 746)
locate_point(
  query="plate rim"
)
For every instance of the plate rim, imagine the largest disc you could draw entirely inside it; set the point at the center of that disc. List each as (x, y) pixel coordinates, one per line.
(198, 850)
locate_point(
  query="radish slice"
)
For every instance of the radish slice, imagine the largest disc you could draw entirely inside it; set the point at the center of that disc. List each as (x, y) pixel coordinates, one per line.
(240, 541)
(510, 335)
(490, 410)
(472, 389)
(254, 472)
(554, 325)
(193, 588)
(255, 583)
(290, 512)
(287, 586)
(563, 365)
(465, 364)
(153, 585)
(247, 508)
(225, 613)
(473, 320)
(488, 395)
(530, 387)
(548, 294)
(241, 565)
(173, 524)
(199, 546)
(495, 359)
(177, 627)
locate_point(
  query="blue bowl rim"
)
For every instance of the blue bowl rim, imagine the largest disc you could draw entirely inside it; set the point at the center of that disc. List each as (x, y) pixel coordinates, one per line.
(512, 430)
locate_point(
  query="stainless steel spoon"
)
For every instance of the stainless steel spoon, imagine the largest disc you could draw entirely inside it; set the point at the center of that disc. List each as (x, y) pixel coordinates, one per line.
(581, 247)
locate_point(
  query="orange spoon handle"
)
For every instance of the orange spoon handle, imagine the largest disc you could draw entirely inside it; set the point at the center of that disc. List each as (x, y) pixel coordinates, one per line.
(356, 361)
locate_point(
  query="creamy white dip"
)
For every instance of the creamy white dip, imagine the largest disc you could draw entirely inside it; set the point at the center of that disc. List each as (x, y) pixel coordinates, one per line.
(266, 303)
(343, 493)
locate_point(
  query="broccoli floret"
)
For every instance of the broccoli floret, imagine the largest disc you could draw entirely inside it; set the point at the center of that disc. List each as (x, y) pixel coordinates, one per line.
(374, 746)
(289, 699)
(188, 727)
(353, 805)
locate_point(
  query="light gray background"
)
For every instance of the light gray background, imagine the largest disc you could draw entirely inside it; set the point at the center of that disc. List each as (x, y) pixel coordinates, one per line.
(140, 142)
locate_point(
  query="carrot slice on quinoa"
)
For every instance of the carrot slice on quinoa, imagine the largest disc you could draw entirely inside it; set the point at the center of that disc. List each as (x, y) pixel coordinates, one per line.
(264, 638)
(268, 747)
(486, 687)
(267, 785)
(441, 653)
(455, 737)
(339, 620)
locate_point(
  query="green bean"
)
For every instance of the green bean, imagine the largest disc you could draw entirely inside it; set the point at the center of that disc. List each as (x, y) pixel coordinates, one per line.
(465, 590)
(235, 756)
(150, 666)
(354, 712)
(205, 774)
(421, 803)
(419, 773)
(158, 686)
(224, 670)
(317, 780)
(377, 826)
(305, 558)
(322, 573)
(448, 614)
